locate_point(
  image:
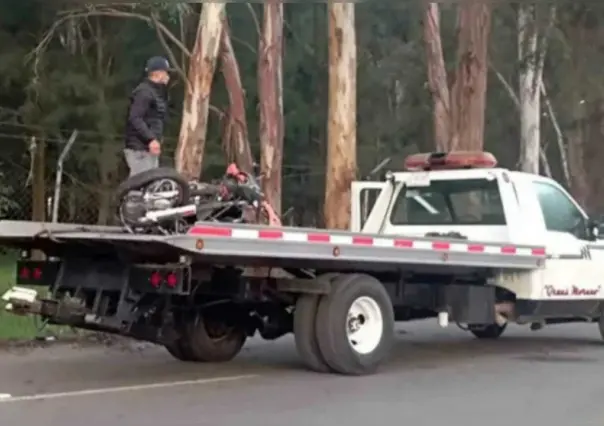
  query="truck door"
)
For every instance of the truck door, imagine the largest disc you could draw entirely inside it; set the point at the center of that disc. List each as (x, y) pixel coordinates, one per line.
(575, 266)
(364, 197)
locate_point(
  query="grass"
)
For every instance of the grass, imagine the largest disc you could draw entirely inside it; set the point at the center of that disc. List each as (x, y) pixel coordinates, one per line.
(13, 327)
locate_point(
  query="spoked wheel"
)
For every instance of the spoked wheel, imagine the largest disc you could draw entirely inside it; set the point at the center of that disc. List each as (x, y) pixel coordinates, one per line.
(156, 189)
(153, 176)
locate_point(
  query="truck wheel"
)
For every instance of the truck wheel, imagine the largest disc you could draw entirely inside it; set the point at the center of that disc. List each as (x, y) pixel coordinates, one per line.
(601, 325)
(491, 331)
(213, 341)
(179, 350)
(305, 316)
(355, 325)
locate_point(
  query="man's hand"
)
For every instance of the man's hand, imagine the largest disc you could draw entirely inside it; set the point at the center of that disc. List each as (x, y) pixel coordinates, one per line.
(155, 147)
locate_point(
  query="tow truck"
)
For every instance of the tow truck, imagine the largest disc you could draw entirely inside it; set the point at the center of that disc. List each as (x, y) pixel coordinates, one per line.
(452, 237)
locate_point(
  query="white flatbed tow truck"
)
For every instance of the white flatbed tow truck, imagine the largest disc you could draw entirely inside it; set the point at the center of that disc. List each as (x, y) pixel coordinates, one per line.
(453, 237)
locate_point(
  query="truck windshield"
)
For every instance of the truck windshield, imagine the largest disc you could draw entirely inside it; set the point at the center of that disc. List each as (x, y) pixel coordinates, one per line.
(450, 202)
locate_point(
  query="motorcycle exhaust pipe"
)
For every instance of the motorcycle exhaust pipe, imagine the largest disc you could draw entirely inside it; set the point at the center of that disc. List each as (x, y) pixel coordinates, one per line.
(161, 195)
(174, 213)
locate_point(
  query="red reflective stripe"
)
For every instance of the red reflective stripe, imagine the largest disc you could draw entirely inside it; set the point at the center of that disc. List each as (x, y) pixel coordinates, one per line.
(270, 234)
(365, 241)
(508, 250)
(318, 238)
(441, 246)
(211, 231)
(403, 243)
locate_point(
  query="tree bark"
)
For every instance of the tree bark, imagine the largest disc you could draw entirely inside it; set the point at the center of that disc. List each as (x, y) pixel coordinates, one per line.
(193, 130)
(38, 201)
(237, 144)
(470, 86)
(38, 186)
(342, 108)
(532, 48)
(437, 77)
(576, 157)
(529, 93)
(270, 93)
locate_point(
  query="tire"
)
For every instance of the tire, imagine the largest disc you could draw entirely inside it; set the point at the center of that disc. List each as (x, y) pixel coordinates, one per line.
(179, 350)
(488, 332)
(332, 324)
(205, 348)
(145, 178)
(601, 325)
(305, 335)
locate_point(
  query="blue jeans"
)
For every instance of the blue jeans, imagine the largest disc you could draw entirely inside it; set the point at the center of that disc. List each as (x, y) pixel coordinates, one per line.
(140, 161)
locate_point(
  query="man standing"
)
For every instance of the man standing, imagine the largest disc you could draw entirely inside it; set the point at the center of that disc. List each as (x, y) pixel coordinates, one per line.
(146, 117)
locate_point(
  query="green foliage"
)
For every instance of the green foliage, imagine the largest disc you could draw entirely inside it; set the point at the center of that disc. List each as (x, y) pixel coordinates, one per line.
(51, 91)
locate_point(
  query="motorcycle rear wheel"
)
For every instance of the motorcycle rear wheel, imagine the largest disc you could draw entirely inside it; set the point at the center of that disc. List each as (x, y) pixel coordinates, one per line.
(142, 181)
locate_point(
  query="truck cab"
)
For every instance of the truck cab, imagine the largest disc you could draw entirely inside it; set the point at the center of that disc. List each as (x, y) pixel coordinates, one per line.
(465, 195)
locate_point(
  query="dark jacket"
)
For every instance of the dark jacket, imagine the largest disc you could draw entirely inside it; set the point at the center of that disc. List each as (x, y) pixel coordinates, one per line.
(146, 115)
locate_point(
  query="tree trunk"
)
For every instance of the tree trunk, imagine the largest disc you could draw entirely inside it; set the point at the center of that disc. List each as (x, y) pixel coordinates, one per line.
(38, 186)
(193, 130)
(532, 48)
(341, 125)
(107, 172)
(529, 93)
(437, 77)
(38, 201)
(470, 86)
(270, 93)
(576, 152)
(237, 144)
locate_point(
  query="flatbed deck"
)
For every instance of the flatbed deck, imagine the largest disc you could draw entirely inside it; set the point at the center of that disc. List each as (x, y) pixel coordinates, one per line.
(304, 247)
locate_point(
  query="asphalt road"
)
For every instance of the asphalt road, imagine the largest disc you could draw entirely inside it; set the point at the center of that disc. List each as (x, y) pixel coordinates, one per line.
(551, 377)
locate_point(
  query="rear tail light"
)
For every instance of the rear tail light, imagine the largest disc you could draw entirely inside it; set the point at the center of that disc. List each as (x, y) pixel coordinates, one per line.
(37, 274)
(30, 273)
(155, 279)
(24, 273)
(172, 280)
(159, 278)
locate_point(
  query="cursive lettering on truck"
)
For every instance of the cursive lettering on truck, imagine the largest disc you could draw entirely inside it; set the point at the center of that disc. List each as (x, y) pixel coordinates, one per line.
(552, 291)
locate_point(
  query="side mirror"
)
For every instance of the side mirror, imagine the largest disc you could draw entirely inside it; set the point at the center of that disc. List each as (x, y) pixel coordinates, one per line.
(593, 228)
